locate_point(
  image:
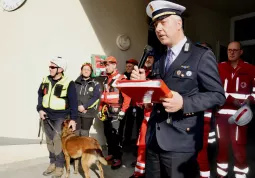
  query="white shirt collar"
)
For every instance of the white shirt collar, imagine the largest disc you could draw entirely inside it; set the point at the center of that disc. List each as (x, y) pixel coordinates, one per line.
(176, 49)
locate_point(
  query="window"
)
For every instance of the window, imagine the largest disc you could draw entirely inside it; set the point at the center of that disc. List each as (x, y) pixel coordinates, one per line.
(243, 30)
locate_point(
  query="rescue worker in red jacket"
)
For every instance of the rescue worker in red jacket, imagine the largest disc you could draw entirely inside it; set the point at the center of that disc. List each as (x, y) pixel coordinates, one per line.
(208, 137)
(140, 162)
(114, 104)
(238, 80)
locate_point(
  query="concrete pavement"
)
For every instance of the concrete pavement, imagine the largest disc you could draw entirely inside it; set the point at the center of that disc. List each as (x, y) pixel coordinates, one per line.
(34, 168)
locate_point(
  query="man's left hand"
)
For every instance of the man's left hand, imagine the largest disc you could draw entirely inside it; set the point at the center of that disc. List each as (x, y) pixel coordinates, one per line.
(173, 104)
(73, 124)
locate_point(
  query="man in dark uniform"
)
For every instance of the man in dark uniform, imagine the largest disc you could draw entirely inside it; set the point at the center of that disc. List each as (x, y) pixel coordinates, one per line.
(175, 127)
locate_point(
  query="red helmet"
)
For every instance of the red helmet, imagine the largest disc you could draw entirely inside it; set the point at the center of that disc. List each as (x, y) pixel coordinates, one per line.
(132, 61)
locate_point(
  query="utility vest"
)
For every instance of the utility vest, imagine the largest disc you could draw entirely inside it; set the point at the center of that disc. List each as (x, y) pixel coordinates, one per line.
(55, 98)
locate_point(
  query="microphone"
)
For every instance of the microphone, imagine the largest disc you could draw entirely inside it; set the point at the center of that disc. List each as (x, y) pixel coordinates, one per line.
(146, 53)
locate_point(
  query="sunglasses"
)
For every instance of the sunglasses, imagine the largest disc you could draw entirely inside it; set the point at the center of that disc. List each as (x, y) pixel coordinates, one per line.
(53, 67)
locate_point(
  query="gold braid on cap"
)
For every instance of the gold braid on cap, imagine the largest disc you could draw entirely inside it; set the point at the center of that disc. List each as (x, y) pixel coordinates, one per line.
(163, 13)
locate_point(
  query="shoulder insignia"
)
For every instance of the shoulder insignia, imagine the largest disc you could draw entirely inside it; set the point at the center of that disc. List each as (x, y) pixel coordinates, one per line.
(186, 47)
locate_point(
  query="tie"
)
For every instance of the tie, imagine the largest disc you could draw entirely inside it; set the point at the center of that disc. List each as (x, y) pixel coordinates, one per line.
(169, 59)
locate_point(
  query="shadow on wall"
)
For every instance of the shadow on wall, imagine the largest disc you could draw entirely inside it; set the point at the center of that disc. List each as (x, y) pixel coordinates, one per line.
(113, 17)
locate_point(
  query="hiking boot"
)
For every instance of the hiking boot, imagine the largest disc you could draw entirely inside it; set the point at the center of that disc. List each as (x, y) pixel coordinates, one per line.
(58, 172)
(116, 164)
(49, 170)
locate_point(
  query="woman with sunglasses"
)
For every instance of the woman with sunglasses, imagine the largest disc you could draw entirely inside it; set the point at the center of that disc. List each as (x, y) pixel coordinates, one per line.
(88, 94)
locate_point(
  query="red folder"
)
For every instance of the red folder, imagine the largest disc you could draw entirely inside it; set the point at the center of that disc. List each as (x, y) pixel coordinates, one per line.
(144, 91)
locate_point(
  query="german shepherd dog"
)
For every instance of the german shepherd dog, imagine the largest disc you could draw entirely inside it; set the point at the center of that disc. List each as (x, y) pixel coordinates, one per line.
(87, 148)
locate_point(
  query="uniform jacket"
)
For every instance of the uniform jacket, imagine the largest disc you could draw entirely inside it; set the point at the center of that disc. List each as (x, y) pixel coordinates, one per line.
(193, 74)
(88, 94)
(238, 83)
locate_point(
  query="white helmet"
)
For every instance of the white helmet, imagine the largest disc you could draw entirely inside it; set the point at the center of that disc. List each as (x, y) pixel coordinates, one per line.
(60, 62)
(242, 116)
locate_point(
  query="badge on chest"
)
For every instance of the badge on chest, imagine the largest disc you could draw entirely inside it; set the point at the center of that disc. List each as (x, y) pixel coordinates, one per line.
(184, 73)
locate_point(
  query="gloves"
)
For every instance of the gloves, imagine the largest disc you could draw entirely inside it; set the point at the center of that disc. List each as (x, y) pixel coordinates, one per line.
(121, 115)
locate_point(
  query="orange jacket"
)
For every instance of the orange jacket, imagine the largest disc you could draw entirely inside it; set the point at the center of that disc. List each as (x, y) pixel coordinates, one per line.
(111, 95)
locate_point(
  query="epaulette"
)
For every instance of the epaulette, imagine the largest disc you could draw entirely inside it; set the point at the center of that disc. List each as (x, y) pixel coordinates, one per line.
(201, 46)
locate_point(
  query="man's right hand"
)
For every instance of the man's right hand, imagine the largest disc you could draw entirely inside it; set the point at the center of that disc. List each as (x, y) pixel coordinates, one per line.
(138, 74)
(42, 114)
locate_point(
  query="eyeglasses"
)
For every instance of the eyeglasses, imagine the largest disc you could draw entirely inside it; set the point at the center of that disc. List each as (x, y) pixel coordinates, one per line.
(233, 50)
(53, 67)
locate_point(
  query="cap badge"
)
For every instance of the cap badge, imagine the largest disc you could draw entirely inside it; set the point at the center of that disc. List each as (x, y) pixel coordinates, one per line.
(151, 8)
